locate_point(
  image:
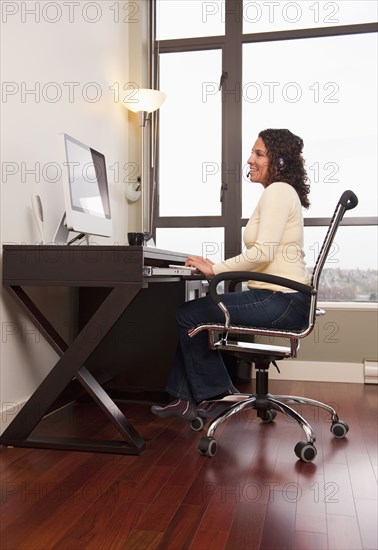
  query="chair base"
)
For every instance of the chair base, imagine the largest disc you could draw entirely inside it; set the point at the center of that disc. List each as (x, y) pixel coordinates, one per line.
(266, 406)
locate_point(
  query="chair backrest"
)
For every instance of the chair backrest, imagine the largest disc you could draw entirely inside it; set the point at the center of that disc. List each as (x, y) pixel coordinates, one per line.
(347, 201)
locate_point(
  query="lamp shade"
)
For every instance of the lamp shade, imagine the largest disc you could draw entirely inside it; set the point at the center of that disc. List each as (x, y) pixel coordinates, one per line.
(145, 100)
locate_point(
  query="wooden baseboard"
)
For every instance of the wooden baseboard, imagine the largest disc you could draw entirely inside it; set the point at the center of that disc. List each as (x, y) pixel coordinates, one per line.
(318, 371)
(370, 372)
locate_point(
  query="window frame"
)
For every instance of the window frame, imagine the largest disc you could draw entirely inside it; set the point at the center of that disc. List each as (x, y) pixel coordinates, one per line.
(231, 45)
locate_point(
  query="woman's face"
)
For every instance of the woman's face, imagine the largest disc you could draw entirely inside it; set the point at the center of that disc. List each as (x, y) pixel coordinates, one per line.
(258, 163)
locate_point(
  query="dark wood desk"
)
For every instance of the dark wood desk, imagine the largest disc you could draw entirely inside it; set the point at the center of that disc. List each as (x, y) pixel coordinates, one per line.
(118, 270)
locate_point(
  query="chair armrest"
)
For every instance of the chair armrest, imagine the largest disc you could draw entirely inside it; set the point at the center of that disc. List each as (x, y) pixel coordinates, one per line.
(255, 276)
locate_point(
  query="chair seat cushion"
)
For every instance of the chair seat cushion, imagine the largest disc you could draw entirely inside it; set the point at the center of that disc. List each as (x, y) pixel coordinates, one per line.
(254, 348)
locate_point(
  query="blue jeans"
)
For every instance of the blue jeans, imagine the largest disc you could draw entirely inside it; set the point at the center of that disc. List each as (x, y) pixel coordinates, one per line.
(198, 372)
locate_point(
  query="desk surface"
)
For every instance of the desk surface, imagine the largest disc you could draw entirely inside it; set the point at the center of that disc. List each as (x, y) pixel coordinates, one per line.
(93, 265)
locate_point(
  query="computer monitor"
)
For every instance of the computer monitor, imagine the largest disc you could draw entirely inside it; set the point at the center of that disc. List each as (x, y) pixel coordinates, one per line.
(85, 187)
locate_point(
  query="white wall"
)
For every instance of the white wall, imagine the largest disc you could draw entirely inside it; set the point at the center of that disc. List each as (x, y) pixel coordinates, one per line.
(74, 59)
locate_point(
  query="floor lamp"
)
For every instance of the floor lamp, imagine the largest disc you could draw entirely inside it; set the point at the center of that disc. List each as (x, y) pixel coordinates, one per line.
(144, 101)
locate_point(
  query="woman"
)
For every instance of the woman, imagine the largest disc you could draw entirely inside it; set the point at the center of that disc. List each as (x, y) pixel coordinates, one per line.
(273, 239)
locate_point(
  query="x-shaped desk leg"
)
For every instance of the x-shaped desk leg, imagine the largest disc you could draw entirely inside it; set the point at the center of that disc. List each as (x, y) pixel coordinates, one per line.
(71, 364)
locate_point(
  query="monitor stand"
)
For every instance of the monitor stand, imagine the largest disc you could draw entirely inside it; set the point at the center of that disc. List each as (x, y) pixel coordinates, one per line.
(149, 240)
(62, 232)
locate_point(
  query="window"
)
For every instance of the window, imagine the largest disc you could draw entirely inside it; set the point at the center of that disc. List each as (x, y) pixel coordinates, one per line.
(202, 241)
(190, 152)
(334, 111)
(282, 15)
(350, 272)
(189, 19)
(231, 68)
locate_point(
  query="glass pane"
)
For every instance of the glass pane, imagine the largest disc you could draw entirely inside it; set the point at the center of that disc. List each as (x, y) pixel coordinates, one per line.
(190, 134)
(324, 90)
(350, 272)
(282, 15)
(207, 242)
(189, 18)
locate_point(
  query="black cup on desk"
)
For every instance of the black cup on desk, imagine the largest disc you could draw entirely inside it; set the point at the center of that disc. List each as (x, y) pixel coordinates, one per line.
(135, 238)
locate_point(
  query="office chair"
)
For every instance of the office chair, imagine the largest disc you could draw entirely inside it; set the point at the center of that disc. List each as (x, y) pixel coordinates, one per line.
(263, 355)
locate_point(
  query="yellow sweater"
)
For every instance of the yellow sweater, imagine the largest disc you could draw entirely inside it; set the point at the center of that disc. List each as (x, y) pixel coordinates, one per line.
(273, 239)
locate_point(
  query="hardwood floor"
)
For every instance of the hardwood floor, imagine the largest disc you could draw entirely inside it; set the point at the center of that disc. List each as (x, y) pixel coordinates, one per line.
(254, 494)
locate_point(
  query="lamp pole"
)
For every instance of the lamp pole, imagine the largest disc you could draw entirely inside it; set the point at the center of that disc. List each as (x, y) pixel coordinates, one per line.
(144, 102)
(144, 187)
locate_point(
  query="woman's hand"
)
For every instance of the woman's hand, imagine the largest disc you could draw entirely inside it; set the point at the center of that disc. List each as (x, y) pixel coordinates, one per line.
(202, 264)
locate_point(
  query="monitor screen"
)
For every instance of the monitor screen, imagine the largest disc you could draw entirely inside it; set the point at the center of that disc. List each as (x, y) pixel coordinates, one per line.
(85, 188)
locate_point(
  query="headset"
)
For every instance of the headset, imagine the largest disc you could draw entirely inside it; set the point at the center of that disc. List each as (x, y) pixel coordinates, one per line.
(281, 161)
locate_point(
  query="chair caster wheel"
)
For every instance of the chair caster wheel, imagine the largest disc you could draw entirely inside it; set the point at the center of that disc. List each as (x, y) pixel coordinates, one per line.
(268, 416)
(197, 424)
(339, 429)
(305, 451)
(207, 446)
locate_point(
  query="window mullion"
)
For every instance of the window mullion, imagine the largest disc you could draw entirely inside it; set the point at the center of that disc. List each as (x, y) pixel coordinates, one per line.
(231, 127)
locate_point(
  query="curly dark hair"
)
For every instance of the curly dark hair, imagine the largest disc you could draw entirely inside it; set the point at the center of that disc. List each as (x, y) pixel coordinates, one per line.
(286, 161)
